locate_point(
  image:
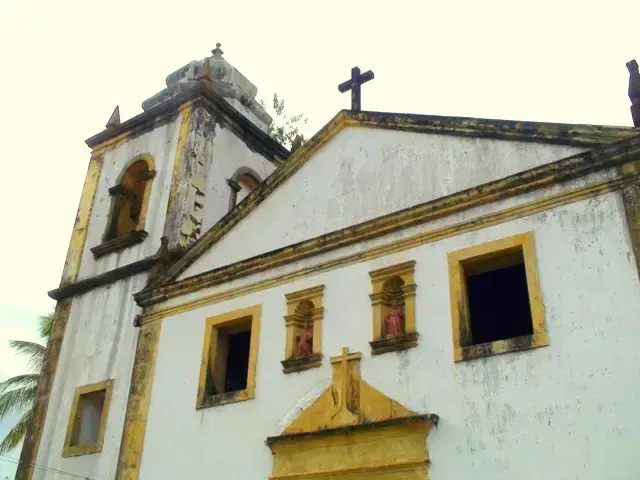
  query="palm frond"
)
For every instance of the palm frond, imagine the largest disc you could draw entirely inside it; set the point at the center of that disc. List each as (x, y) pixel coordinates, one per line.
(16, 434)
(33, 351)
(17, 400)
(46, 326)
(26, 380)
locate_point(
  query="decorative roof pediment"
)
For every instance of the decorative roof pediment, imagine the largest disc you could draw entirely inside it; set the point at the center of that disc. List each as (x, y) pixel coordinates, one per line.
(577, 136)
(352, 429)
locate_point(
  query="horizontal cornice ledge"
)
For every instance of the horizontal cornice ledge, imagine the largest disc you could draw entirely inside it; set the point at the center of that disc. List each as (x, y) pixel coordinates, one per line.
(563, 170)
(514, 130)
(82, 286)
(427, 417)
(200, 94)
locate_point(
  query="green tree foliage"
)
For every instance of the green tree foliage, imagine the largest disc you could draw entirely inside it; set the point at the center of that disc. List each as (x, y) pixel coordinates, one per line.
(284, 128)
(20, 391)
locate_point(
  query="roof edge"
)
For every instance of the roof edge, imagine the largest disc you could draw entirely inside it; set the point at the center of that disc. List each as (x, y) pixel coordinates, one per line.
(557, 133)
(202, 94)
(255, 198)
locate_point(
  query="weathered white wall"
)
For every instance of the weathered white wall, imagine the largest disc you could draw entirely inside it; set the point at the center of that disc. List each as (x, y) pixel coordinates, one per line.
(99, 344)
(229, 154)
(161, 144)
(502, 417)
(363, 173)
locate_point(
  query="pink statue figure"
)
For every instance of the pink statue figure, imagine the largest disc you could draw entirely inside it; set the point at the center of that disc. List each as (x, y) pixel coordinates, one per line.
(304, 341)
(393, 323)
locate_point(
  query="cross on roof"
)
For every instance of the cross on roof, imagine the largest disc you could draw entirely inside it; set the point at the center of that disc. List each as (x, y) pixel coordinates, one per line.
(353, 84)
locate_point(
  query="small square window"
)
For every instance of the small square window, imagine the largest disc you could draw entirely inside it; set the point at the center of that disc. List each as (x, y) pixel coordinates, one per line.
(229, 366)
(229, 356)
(495, 298)
(88, 418)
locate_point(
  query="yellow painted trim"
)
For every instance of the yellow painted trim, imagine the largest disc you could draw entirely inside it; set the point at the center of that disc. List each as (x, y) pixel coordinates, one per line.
(186, 112)
(519, 211)
(631, 201)
(69, 450)
(348, 401)
(463, 348)
(223, 320)
(392, 452)
(292, 320)
(40, 407)
(135, 423)
(352, 430)
(81, 226)
(414, 470)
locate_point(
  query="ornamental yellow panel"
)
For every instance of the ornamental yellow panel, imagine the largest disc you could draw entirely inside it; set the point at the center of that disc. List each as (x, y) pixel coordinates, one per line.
(353, 431)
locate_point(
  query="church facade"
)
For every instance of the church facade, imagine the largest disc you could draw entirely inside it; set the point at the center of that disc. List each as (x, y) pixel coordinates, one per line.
(401, 297)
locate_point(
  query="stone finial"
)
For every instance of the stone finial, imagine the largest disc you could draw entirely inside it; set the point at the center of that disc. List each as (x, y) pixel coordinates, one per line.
(114, 119)
(217, 52)
(634, 91)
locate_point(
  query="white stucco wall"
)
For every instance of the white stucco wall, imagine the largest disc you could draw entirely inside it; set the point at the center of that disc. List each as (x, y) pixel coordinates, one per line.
(99, 344)
(229, 154)
(364, 173)
(564, 411)
(161, 144)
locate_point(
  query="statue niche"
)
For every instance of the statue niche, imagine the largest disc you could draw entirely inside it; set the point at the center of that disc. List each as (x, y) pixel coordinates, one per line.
(393, 308)
(303, 329)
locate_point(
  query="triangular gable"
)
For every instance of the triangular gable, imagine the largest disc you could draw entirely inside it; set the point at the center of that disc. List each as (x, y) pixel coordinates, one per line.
(351, 430)
(577, 136)
(348, 401)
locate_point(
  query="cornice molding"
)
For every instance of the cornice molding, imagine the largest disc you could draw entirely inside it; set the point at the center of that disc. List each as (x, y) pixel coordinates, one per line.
(608, 156)
(521, 210)
(120, 243)
(199, 95)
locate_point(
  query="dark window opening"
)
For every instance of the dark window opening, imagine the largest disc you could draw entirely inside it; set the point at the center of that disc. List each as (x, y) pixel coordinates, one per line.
(229, 359)
(238, 362)
(499, 306)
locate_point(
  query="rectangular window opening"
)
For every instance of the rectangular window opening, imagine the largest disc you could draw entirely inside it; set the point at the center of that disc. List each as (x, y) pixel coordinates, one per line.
(229, 358)
(498, 297)
(86, 427)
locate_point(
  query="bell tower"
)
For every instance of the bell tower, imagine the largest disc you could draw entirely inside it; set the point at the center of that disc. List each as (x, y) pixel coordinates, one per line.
(199, 147)
(155, 183)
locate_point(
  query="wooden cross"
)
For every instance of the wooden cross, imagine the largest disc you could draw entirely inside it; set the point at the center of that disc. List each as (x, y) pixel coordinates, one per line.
(353, 84)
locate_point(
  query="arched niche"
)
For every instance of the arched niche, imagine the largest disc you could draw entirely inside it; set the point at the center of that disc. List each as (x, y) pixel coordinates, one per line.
(241, 184)
(129, 204)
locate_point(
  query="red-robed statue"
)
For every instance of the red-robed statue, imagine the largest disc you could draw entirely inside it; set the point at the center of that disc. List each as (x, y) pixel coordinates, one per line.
(393, 322)
(305, 340)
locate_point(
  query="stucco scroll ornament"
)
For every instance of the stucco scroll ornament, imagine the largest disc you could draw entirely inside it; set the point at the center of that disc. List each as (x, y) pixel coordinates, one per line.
(393, 323)
(305, 340)
(340, 386)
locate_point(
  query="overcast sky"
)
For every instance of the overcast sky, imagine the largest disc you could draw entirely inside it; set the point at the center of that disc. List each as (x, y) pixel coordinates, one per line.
(67, 64)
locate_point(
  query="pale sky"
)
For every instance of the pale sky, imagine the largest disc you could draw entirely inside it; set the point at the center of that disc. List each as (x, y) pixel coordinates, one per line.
(67, 64)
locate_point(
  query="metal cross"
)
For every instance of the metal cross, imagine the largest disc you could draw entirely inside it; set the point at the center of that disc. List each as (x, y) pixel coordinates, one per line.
(353, 84)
